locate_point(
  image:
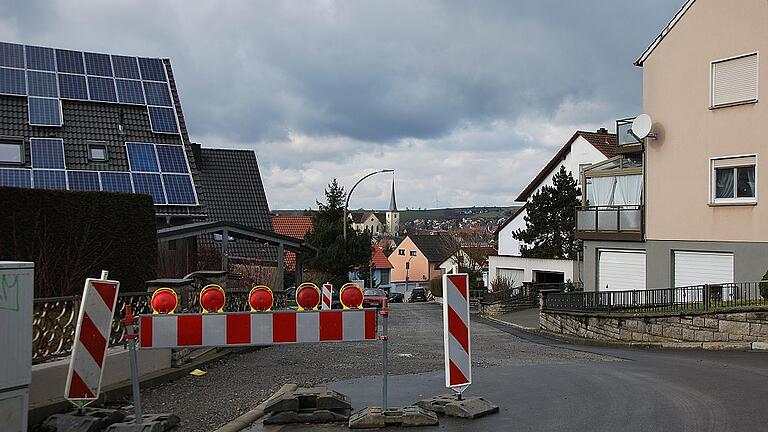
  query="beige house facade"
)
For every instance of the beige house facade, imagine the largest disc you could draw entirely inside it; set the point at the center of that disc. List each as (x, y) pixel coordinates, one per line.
(418, 257)
(705, 175)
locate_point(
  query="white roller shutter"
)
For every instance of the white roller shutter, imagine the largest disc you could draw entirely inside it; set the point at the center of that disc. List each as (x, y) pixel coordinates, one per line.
(734, 80)
(699, 268)
(514, 275)
(621, 270)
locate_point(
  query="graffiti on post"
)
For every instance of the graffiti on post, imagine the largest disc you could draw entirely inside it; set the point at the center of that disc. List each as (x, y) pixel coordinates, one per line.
(9, 292)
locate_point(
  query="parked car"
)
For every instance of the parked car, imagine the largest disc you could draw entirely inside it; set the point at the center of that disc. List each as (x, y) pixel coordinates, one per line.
(396, 297)
(418, 295)
(374, 297)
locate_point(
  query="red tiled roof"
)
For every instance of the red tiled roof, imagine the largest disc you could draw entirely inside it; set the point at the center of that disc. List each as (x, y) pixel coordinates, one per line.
(379, 260)
(294, 226)
(607, 143)
(602, 140)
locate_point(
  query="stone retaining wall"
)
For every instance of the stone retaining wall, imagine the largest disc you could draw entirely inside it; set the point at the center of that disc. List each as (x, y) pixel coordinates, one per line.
(742, 326)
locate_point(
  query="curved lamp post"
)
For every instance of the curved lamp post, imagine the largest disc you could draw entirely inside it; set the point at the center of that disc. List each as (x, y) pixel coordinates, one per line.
(346, 203)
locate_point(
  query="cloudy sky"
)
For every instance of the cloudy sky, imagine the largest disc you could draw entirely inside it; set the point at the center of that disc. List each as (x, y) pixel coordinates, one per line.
(465, 100)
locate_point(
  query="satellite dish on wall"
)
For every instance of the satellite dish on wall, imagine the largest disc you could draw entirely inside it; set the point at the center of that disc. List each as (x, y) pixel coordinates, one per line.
(641, 127)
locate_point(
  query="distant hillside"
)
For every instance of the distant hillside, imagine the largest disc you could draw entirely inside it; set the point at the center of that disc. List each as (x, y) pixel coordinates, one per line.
(441, 213)
(458, 212)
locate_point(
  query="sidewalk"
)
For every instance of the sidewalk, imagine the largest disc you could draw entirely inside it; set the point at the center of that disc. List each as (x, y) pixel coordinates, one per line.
(527, 319)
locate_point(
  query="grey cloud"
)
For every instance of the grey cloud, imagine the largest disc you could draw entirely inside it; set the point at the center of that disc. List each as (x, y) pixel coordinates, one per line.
(377, 74)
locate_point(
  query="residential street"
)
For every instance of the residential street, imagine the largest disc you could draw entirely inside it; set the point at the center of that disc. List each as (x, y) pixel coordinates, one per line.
(239, 382)
(539, 384)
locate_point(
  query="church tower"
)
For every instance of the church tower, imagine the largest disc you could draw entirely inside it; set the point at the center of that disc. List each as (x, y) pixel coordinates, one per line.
(393, 216)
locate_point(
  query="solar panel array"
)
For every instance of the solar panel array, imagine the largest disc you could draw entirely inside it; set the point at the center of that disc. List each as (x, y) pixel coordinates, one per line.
(46, 75)
(158, 170)
(161, 170)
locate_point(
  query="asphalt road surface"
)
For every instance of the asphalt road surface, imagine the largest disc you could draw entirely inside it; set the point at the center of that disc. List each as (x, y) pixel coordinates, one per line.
(239, 382)
(539, 384)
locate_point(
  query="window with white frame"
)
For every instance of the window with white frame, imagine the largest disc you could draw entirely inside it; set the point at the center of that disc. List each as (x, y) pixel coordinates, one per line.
(734, 80)
(12, 151)
(734, 180)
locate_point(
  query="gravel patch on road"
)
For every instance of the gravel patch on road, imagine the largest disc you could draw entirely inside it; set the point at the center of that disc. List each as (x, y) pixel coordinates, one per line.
(238, 382)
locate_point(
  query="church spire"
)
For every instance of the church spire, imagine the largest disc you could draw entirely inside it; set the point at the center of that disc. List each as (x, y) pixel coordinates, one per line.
(392, 201)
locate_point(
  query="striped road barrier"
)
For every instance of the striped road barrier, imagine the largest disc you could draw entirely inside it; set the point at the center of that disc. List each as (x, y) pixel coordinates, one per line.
(231, 329)
(456, 335)
(94, 324)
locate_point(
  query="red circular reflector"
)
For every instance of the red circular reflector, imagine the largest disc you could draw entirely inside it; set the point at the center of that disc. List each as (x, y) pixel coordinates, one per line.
(164, 301)
(212, 298)
(260, 298)
(308, 296)
(351, 295)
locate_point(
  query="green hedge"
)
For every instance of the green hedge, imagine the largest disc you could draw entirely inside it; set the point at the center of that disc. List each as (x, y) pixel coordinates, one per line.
(74, 235)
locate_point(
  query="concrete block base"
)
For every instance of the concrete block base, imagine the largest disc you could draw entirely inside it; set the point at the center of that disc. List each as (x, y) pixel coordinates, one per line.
(150, 423)
(468, 407)
(84, 420)
(316, 416)
(409, 416)
(308, 405)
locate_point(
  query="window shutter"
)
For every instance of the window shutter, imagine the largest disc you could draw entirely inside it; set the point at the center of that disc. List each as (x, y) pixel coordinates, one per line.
(734, 80)
(734, 162)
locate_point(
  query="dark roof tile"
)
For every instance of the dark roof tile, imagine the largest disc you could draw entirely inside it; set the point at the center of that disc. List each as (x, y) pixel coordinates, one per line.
(436, 247)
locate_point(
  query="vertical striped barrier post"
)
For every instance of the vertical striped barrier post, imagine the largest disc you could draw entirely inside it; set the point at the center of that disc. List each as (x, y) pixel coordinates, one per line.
(94, 324)
(456, 335)
(457, 342)
(327, 296)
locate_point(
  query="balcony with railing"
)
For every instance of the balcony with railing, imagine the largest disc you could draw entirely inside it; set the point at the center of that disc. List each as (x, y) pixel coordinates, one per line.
(623, 222)
(627, 142)
(612, 206)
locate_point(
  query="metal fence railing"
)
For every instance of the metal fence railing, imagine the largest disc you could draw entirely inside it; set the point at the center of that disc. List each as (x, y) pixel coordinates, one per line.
(701, 298)
(527, 291)
(610, 218)
(55, 318)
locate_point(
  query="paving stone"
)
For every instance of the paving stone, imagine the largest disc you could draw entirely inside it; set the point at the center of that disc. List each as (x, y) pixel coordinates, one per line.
(734, 327)
(762, 346)
(409, 416)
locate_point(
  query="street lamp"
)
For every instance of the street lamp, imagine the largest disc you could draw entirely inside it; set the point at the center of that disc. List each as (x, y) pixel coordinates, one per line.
(346, 203)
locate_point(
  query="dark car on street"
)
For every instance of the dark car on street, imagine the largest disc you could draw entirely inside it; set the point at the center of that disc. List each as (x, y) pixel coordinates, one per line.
(396, 297)
(374, 297)
(418, 295)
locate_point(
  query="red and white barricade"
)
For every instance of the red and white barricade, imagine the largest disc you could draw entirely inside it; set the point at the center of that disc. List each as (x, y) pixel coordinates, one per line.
(327, 296)
(456, 334)
(256, 328)
(94, 324)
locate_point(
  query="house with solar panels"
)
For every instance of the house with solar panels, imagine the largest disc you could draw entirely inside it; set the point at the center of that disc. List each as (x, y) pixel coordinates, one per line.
(85, 121)
(95, 122)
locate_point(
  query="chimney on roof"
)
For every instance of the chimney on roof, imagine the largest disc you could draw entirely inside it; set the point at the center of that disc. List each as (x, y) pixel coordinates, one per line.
(602, 131)
(197, 154)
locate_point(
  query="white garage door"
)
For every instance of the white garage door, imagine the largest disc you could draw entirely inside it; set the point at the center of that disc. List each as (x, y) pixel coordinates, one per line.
(698, 268)
(514, 275)
(621, 270)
